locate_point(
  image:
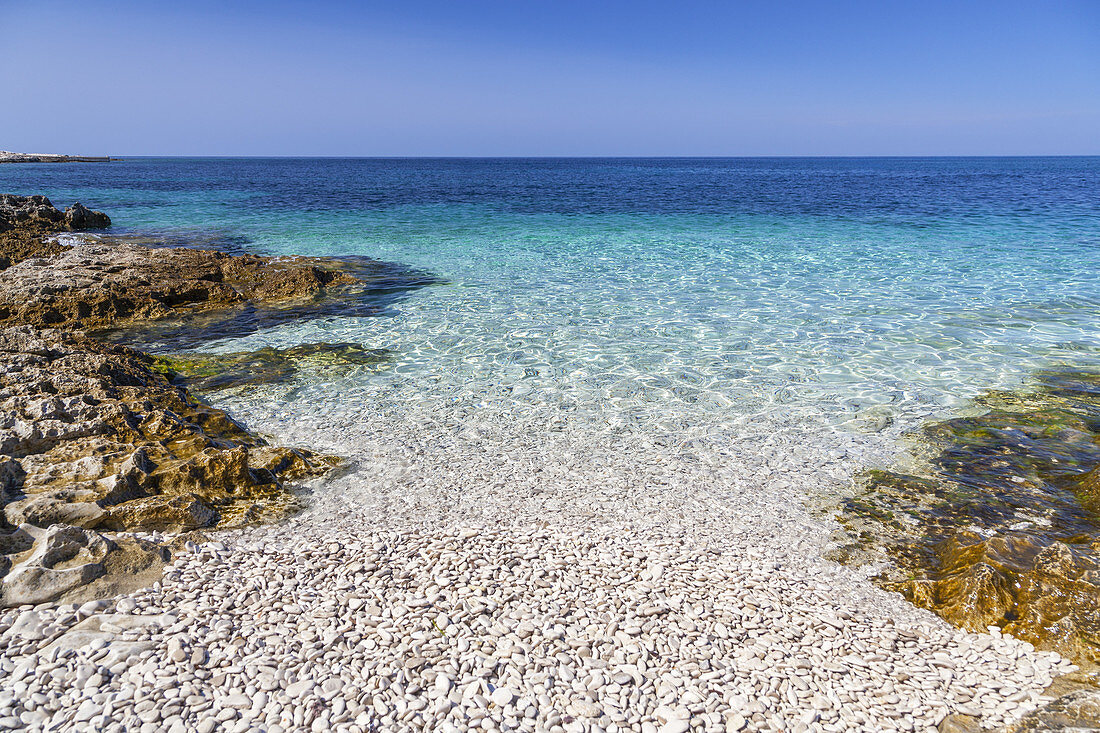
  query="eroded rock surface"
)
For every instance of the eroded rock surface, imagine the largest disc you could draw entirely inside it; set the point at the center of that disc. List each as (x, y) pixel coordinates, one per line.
(94, 438)
(96, 441)
(27, 223)
(102, 284)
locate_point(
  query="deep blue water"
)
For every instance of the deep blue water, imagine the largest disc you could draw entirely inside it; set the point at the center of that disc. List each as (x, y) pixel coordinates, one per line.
(664, 294)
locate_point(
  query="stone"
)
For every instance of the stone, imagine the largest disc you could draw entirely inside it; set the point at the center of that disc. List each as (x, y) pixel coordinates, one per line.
(109, 444)
(61, 559)
(26, 223)
(78, 217)
(679, 725)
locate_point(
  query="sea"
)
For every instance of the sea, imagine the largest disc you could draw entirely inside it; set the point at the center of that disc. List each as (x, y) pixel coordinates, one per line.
(689, 300)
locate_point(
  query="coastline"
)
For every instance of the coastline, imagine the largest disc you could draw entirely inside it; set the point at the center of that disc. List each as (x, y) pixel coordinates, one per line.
(419, 595)
(10, 157)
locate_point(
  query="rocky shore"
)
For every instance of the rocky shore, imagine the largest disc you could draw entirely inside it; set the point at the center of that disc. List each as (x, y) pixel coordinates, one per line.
(475, 577)
(95, 438)
(6, 156)
(1000, 523)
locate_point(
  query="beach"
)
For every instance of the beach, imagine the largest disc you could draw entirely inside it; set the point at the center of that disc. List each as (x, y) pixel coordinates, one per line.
(588, 480)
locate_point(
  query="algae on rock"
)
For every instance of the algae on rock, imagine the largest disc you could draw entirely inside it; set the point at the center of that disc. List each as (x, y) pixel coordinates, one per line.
(1001, 526)
(211, 372)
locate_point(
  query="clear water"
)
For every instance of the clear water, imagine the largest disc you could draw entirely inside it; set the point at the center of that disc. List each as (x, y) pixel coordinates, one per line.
(686, 298)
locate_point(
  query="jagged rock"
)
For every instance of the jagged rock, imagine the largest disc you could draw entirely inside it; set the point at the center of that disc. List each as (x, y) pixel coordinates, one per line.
(94, 437)
(79, 217)
(61, 558)
(27, 210)
(98, 285)
(26, 223)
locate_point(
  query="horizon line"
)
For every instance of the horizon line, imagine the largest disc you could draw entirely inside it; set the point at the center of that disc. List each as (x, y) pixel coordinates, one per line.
(124, 157)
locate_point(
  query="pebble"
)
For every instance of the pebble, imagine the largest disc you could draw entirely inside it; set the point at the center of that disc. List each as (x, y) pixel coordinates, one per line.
(553, 584)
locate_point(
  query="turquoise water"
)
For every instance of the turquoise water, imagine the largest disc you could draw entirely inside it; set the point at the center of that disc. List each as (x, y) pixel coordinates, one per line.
(681, 297)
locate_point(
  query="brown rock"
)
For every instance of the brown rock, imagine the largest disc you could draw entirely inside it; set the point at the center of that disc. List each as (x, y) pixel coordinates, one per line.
(1075, 711)
(92, 437)
(99, 285)
(79, 217)
(998, 522)
(27, 223)
(958, 723)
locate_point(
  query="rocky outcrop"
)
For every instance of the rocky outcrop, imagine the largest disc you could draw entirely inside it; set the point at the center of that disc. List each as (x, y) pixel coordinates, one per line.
(78, 218)
(99, 441)
(27, 223)
(100, 285)
(1001, 526)
(93, 437)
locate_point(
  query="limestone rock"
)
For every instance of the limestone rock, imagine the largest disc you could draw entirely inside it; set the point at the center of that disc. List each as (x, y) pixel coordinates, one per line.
(61, 558)
(1075, 711)
(26, 223)
(79, 217)
(93, 437)
(94, 284)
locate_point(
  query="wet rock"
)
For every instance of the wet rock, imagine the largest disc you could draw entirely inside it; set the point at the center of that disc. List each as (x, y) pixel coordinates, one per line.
(26, 223)
(1088, 490)
(93, 437)
(211, 372)
(1075, 711)
(79, 217)
(1000, 526)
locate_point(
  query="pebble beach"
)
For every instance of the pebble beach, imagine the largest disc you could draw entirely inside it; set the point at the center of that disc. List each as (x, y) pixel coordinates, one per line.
(625, 599)
(588, 479)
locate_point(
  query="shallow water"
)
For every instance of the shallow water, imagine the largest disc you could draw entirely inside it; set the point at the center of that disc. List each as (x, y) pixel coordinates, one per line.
(687, 298)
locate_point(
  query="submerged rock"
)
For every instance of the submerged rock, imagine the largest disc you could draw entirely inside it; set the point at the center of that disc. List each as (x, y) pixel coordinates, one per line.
(1074, 711)
(999, 527)
(185, 296)
(93, 437)
(211, 372)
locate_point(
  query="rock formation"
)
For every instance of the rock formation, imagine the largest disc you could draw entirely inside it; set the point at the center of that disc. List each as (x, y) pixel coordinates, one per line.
(96, 442)
(6, 156)
(92, 437)
(99, 441)
(1001, 527)
(98, 285)
(26, 223)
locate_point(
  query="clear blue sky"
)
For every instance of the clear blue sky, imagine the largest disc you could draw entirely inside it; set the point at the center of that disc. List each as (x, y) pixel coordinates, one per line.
(521, 77)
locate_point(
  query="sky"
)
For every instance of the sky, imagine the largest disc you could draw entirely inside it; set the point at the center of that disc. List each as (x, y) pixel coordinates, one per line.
(527, 77)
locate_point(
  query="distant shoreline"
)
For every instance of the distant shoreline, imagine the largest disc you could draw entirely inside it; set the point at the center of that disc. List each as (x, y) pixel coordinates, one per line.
(9, 157)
